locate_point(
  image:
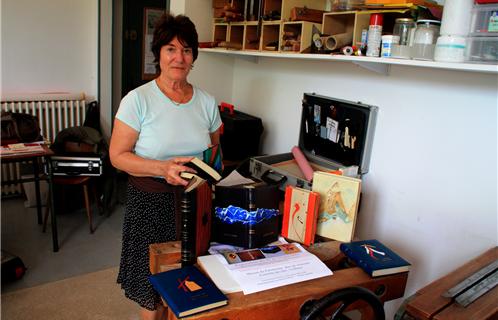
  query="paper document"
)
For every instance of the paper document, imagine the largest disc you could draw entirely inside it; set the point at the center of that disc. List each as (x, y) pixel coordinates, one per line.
(274, 266)
(234, 178)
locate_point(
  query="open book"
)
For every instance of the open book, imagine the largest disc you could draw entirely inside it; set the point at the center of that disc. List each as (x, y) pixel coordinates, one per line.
(207, 169)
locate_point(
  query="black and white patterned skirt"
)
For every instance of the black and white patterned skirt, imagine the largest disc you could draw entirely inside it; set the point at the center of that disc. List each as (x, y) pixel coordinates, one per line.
(149, 218)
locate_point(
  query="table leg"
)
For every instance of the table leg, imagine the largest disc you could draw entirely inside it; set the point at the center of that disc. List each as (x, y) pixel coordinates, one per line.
(51, 204)
(37, 189)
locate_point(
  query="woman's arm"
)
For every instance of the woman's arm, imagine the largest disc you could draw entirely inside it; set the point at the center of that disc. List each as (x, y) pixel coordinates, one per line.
(215, 137)
(123, 140)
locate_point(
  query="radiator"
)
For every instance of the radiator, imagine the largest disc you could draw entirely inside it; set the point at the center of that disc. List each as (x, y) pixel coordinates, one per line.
(54, 111)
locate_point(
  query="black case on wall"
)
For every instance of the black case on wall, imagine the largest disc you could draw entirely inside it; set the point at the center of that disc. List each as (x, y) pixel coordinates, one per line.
(241, 133)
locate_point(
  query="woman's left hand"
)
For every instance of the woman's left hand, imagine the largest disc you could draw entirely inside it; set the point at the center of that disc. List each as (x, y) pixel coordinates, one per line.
(172, 168)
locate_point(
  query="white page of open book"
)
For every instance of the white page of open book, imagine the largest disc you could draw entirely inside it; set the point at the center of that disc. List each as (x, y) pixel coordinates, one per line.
(233, 179)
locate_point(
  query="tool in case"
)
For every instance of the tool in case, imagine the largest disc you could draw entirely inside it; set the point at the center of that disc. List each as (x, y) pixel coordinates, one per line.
(335, 134)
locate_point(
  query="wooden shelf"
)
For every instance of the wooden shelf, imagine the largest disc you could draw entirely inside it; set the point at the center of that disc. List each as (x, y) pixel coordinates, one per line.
(380, 65)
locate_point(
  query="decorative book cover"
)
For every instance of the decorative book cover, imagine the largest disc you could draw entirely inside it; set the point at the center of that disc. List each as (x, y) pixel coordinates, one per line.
(187, 291)
(212, 156)
(195, 207)
(340, 196)
(374, 258)
(300, 215)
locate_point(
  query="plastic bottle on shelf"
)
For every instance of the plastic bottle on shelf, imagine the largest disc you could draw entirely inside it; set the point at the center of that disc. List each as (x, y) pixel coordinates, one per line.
(374, 35)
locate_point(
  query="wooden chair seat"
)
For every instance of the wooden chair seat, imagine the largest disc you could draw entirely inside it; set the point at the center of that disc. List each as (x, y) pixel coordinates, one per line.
(85, 182)
(68, 180)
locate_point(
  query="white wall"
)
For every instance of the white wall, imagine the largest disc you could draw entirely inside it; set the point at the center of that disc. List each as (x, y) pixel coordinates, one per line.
(431, 190)
(432, 187)
(49, 46)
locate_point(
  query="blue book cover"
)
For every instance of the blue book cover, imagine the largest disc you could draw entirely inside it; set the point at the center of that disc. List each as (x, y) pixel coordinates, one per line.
(187, 291)
(374, 258)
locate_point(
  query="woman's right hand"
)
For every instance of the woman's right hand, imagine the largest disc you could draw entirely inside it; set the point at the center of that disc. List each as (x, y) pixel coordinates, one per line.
(170, 169)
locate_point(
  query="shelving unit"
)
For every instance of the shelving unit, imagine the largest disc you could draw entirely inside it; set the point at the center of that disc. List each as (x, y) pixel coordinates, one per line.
(271, 30)
(380, 65)
(271, 41)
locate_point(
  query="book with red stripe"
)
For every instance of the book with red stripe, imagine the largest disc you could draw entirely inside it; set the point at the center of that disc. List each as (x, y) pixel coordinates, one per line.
(300, 215)
(374, 258)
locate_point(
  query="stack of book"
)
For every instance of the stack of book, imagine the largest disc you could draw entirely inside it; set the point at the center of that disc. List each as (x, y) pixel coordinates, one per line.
(21, 148)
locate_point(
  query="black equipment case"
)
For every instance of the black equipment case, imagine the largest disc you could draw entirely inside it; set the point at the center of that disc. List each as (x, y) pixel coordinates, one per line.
(240, 135)
(334, 134)
(76, 165)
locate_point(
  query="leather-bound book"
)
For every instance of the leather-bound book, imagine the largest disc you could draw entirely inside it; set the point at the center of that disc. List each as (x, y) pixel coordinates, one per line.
(195, 207)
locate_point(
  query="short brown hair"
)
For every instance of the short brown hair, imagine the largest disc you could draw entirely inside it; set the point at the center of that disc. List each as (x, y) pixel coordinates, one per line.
(169, 27)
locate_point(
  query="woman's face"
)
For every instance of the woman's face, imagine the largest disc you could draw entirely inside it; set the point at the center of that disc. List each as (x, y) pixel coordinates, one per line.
(175, 60)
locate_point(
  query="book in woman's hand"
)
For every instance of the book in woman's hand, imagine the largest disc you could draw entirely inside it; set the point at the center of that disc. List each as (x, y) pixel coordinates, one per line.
(208, 170)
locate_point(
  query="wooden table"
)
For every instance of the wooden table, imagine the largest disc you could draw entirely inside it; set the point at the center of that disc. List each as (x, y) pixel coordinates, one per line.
(285, 302)
(428, 302)
(34, 158)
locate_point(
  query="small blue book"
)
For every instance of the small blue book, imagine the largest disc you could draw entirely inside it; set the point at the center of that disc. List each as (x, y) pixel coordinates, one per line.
(374, 258)
(187, 291)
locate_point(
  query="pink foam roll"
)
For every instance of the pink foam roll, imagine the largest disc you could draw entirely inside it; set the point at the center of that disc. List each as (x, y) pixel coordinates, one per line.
(303, 163)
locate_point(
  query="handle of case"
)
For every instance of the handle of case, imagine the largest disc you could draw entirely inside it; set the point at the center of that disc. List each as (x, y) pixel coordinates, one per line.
(228, 106)
(265, 177)
(72, 173)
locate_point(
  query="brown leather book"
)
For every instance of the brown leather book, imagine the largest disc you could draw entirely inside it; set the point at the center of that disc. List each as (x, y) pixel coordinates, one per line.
(195, 208)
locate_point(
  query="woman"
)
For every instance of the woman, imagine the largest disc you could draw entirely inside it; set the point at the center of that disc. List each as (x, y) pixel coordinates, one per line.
(158, 128)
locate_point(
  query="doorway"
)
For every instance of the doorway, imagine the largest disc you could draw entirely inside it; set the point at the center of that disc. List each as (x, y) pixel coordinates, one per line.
(137, 65)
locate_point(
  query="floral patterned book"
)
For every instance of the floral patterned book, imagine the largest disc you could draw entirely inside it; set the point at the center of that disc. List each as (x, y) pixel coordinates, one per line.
(340, 196)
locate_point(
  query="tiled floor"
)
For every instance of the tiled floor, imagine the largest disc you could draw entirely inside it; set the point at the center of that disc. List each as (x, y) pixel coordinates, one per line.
(80, 252)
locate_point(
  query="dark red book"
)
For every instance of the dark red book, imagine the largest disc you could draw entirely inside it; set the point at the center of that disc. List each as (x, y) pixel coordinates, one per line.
(195, 207)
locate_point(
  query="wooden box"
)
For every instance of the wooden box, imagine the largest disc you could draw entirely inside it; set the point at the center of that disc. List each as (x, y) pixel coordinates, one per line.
(356, 21)
(270, 36)
(220, 32)
(297, 36)
(164, 256)
(236, 33)
(251, 39)
(287, 6)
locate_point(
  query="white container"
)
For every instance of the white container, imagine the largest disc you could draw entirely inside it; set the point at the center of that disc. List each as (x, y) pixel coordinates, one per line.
(386, 46)
(450, 49)
(456, 17)
(484, 20)
(482, 49)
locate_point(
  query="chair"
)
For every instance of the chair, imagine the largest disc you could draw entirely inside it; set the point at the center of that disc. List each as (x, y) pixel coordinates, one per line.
(86, 182)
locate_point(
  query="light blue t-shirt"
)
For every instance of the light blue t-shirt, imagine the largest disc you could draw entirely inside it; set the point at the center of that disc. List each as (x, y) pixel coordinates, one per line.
(165, 129)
